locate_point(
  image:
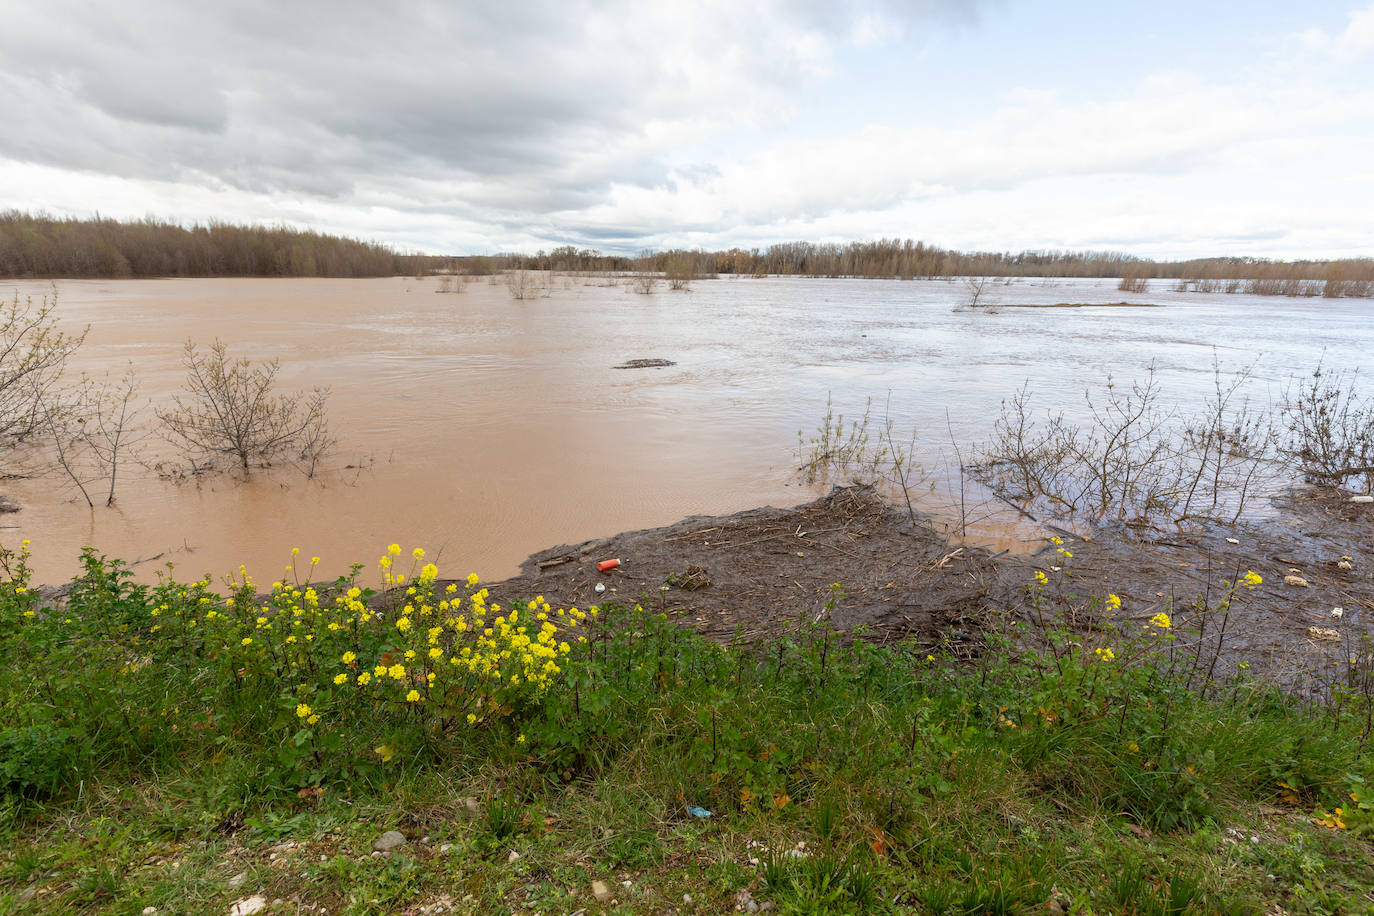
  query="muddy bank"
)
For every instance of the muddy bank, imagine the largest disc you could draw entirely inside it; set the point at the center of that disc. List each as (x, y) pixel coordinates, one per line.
(1283, 628)
(760, 572)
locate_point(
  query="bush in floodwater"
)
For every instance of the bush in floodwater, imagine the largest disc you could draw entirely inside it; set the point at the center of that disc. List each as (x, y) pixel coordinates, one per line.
(1329, 428)
(230, 410)
(1131, 459)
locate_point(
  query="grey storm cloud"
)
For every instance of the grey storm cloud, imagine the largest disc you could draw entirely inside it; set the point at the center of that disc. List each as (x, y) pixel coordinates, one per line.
(520, 99)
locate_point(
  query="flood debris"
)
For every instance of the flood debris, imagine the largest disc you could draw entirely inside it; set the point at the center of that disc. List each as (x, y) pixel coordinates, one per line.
(645, 364)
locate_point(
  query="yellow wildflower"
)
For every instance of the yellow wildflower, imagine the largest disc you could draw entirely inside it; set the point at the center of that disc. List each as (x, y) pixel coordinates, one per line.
(302, 710)
(1161, 620)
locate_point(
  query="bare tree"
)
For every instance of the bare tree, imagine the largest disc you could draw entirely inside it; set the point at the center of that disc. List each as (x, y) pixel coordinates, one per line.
(94, 431)
(33, 354)
(522, 284)
(681, 270)
(230, 411)
(644, 282)
(974, 286)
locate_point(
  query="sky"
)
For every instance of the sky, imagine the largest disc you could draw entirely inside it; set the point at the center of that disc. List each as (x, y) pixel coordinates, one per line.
(1163, 129)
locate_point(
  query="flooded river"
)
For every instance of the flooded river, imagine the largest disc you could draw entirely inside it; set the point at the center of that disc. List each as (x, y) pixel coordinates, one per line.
(484, 428)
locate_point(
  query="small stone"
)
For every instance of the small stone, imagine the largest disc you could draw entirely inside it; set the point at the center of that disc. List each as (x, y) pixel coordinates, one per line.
(1362, 499)
(513, 857)
(445, 847)
(745, 903)
(1232, 541)
(1295, 581)
(248, 906)
(149, 911)
(238, 879)
(389, 841)
(601, 891)
(1343, 563)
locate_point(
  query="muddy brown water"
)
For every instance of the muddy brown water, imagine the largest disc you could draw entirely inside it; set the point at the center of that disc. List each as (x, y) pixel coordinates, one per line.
(485, 428)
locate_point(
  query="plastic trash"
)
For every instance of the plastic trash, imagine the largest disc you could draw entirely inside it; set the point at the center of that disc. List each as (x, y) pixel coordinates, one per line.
(600, 587)
(605, 565)
(698, 812)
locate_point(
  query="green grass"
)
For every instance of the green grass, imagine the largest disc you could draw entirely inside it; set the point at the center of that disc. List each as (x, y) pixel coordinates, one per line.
(152, 767)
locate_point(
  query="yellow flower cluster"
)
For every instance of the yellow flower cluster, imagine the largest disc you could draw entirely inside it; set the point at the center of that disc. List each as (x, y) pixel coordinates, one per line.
(450, 650)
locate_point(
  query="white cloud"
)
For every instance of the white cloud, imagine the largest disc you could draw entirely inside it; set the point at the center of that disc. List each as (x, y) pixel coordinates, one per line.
(1351, 43)
(622, 124)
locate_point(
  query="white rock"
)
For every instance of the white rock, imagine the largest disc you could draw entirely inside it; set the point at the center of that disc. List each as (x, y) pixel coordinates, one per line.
(1362, 499)
(1232, 541)
(248, 906)
(238, 879)
(389, 841)
(513, 857)
(149, 911)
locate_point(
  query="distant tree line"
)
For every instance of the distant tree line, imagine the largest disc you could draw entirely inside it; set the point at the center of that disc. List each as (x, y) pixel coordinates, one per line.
(45, 246)
(906, 259)
(38, 245)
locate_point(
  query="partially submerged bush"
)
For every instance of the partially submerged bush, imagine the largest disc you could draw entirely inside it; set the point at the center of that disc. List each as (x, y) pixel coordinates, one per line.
(230, 410)
(1131, 459)
(1329, 428)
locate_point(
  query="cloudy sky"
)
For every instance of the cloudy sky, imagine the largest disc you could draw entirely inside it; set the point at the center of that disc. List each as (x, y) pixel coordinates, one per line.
(1166, 128)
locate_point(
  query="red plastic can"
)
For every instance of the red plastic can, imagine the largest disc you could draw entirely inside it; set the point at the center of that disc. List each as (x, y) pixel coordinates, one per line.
(607, 564)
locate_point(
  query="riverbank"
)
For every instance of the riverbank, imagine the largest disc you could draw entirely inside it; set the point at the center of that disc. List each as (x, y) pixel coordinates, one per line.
(762, 572)
(304, 749)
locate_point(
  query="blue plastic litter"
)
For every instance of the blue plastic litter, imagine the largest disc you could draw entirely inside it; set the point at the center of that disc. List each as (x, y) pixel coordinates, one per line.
(699, 812)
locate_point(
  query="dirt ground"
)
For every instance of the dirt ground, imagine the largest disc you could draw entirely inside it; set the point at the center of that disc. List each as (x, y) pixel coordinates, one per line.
(762, 571)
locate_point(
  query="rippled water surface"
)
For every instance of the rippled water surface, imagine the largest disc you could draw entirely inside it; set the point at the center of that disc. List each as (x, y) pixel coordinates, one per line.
(487, 428)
